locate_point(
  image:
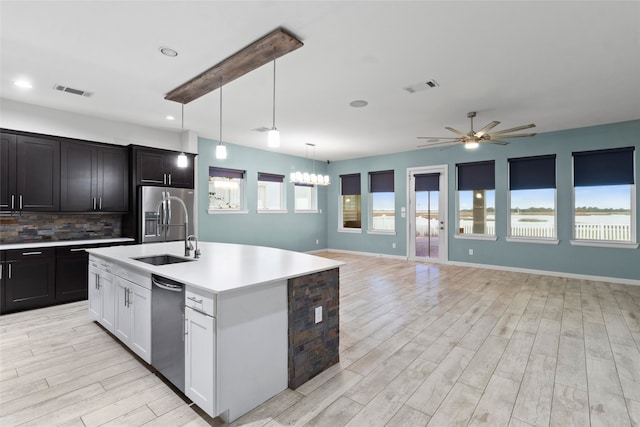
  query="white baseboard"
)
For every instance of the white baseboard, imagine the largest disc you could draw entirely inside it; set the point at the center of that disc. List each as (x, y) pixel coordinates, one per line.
(549, 273)
(507, 268)
(399, 257)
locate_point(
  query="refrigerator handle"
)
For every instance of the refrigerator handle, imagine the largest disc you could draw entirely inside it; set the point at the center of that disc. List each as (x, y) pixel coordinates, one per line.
(169, 213)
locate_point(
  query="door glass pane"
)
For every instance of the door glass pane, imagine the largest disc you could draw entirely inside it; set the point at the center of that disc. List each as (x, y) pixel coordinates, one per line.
(427, 224)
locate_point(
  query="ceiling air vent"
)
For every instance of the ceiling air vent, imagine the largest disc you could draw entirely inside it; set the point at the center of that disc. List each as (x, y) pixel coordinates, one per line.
(67, 89)
(421, 86)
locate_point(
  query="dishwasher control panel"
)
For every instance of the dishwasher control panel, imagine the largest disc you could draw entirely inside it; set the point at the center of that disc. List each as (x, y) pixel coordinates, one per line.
(201, 301)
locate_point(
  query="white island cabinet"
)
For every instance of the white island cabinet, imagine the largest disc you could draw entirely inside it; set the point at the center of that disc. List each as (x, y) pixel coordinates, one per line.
(236, 317)
(120, 300)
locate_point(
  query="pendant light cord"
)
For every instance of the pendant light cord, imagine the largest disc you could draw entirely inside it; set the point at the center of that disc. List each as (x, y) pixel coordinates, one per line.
(220, 111)
(274, 89)
(182, 125)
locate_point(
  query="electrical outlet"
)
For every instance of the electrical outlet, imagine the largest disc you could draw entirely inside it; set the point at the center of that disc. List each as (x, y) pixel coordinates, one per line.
(393, 245)
(318, 314)
(317, 242)
(470, 251)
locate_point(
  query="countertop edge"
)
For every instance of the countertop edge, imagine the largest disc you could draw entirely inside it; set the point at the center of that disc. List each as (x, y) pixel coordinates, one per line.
(237, 287)
(10, 246)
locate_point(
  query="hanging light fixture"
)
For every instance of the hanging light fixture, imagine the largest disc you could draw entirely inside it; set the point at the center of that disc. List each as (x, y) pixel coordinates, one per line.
(221, 149)
(273, 138)
(310, 178)
(183, 161)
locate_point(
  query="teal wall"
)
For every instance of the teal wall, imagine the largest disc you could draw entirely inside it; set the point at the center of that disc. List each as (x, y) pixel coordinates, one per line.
(597, 261)
(300, 231)
(293, 231)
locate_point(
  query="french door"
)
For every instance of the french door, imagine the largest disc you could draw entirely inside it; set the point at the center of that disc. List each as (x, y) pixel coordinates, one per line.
(427, 222)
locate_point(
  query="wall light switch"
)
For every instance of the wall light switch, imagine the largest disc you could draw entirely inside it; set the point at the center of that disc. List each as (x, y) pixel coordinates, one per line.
(318, 314)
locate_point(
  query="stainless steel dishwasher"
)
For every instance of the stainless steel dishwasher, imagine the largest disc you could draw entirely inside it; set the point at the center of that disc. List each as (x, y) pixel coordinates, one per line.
(167, 329)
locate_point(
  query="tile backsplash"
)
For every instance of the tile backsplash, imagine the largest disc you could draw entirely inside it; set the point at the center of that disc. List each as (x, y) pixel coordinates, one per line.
(42, 227)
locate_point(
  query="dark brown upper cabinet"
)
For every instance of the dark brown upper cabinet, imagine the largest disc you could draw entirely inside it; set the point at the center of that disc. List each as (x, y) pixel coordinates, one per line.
(30, 173)
(94, 178)
(159, 167)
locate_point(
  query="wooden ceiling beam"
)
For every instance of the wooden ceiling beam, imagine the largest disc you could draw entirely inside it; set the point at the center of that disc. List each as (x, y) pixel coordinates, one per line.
(274, 45)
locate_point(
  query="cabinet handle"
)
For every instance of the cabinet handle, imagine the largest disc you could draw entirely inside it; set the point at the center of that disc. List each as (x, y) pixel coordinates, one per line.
(76, 250)
(97, 282)
(152, 181)
(184, 327)
(100, 204)
(94, 203)
(20, 198)
(197, 301)
(13, 201)
(31, 253)
(9, 277)
(164, 178)
(1, 270)
(169, 179)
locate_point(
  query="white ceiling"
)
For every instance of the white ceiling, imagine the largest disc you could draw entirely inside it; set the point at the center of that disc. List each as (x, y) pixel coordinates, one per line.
(558, 64)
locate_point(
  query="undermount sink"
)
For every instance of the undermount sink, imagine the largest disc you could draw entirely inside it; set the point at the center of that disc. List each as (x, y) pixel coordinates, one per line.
(162, 259)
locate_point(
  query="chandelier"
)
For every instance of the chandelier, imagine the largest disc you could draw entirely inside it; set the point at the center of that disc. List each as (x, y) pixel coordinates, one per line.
(310, 178)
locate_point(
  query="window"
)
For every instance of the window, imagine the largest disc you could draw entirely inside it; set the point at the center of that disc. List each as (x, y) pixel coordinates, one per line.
(532, 197)
(383, 210)
(305, 198)
(350, 202)
(476, 198)
(225, 189)
(270, 192)
(604, 188)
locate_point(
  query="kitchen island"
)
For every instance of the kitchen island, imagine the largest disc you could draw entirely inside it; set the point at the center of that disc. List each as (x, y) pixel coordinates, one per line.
(257, 319)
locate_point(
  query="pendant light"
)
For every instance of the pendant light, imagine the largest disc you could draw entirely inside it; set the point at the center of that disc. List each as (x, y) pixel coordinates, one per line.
(183, 161)
(310, 178)
(221, 149)
(273, 138)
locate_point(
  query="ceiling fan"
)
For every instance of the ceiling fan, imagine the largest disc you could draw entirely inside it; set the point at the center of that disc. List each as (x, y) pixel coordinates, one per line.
(473, 139)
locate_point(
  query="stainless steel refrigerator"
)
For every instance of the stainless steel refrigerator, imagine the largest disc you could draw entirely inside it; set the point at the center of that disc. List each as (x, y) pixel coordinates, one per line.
(162, 219)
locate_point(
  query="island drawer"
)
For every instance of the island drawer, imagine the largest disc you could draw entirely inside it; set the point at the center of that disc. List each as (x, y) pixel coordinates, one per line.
(201, 301)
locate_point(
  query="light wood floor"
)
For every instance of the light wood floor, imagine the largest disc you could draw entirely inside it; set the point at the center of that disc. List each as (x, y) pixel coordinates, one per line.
(420, 345)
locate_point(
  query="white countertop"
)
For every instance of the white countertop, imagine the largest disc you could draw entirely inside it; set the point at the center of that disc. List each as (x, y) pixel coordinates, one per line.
(50, 244)
(222, 267)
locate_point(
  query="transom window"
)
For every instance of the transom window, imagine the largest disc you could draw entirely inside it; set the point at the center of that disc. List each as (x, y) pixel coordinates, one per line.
(532, 197)
(604, 189)
(350, 202)
(305, 198)
(225, 189)
(271, 192)
(383, 210)
(476, 198)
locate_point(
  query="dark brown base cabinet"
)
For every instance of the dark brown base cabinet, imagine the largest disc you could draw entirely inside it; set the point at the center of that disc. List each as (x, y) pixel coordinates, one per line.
(40, 277)
(72, 271)
(28, 279)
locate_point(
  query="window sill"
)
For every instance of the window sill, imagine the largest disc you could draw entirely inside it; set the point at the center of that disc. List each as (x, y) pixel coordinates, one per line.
(309, 211)
(541, 240)
(475, 237)
(272, 211)
(350, 230)
(605, 244)
(225, 211)
(384, 232)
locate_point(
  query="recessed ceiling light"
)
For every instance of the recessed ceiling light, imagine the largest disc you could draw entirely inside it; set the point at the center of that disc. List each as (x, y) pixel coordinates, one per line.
(25, 84)
(167, 51)
(358, 103)
(170, 118)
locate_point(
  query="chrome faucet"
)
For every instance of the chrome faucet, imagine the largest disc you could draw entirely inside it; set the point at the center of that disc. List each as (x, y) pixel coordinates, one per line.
(166, 197)
(197, 253)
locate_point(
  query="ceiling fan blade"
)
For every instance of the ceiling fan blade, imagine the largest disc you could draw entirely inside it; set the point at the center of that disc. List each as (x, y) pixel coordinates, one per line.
(517, 128)
(437, 144)
(495, 141)
(456, 131)
(436, 138)
(521, 135)
(487, 128)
